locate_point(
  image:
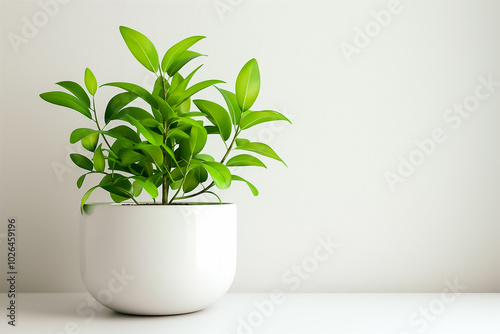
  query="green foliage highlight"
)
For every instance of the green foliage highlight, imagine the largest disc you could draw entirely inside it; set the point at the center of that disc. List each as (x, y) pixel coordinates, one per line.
(151, 141)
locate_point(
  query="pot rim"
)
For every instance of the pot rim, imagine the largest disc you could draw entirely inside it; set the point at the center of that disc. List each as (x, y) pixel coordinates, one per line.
(88, 208)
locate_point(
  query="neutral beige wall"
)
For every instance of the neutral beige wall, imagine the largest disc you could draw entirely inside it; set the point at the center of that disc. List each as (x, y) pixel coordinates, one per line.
(355, 119)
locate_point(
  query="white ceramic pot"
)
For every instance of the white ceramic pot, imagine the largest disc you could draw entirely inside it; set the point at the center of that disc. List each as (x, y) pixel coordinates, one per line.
(158, 260)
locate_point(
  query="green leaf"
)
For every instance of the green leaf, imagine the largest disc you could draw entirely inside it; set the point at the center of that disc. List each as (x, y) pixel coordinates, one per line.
(141, 47)
(67, 100)
(86, 197)
(130, 156)
(201, 173)
(197, 139)
(136, 188)
(217, 115)
(116, 164)
(117, 136)
(158, 87)
(169, 151)
(78, 134)
(177, 174)
(81, 161)
(260, 148)
(245, 160)
(99, 162)
(185, 82)
(212, 130)
(180, 87)
(125, 131)
(153, 151)
(117, 198)
(80, 180)
(116, 184)
(90, 142)
(176, 51)
(252, 118)
(183, 152)
(111, 153)
(193, 114)
(114, 189)
(182, 60)
(116, 103)
(248, 85)
(143, 168)
(152, 123)
(254, 190)
(138, 90)
(122, 182)
(175, 185)
(187, 120)
(220, 174)
(145, 132)
(165, 109)
(184, 107)
(149, 186)
(204, 157)
(77, 90)
(90, 81)
(136, 113)
(196, 175)
(177, 134)
(232, 105)
(176, 80)
(190, 182)
(196, 88)
(157, 115)
(241, 141)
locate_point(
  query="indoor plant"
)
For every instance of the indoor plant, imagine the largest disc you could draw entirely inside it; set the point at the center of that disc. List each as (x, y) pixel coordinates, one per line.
(158, 144)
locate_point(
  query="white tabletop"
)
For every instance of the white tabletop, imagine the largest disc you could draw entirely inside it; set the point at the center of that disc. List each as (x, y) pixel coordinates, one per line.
(71, 313)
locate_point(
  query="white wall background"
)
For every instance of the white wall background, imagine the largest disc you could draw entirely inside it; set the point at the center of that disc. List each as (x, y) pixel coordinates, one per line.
(351, 123)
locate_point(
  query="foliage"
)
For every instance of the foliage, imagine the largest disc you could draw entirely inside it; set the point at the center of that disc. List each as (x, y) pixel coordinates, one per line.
(137, 150)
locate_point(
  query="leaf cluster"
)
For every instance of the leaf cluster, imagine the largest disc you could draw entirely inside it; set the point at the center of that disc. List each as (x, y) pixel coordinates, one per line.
(160, 149)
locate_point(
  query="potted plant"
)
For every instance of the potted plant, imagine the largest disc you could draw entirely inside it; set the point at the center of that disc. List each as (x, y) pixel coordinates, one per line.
(168, 256)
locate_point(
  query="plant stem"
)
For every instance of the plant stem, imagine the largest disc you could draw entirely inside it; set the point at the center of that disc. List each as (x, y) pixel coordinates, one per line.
(237, 132)
(199, 192)
(165, 179)
(183, 179)
(97, 123)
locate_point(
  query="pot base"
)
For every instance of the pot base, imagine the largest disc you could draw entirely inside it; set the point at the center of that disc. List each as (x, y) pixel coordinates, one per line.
(158, 260)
